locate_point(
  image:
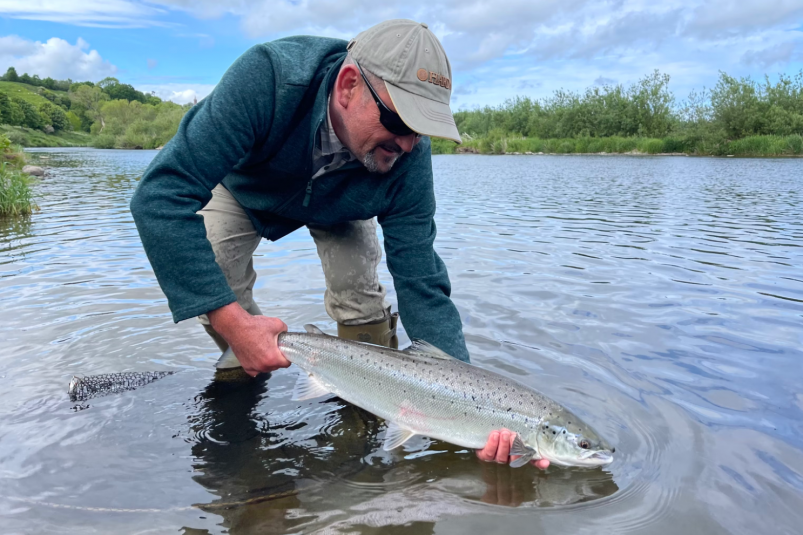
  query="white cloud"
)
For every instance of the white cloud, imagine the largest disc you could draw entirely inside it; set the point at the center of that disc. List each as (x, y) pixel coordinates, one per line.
(473, 31)
(99, 13)
(720, 18)
(766, 57)
(177, 92)
(502, 47)
(55, 58)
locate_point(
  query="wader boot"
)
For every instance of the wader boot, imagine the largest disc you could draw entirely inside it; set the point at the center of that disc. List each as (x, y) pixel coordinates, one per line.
(227, 375)
(381, 333)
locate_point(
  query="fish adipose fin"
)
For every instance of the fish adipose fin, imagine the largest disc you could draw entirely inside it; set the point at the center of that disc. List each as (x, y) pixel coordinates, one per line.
(312, 329)
(308, 387)
(425, 349)
(396, 436)
(227, 360)
(519, 448)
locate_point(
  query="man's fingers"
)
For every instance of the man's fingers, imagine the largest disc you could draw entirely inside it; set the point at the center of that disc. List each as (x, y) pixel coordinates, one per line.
(489, 451)
(543, 464)
(503, 451)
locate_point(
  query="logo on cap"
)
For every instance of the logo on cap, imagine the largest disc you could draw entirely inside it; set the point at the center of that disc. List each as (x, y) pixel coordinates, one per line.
(434, 78)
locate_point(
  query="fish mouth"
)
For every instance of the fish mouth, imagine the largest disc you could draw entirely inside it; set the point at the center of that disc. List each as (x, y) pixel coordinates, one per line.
(601, 457)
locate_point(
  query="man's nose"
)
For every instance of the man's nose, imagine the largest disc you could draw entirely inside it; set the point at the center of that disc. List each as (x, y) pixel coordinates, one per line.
(407, 143)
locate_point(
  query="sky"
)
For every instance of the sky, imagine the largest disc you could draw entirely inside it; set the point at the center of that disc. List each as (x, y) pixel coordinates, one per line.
(180, 48)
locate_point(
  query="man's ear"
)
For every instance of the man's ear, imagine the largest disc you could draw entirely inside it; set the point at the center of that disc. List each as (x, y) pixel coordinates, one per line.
(347, 85)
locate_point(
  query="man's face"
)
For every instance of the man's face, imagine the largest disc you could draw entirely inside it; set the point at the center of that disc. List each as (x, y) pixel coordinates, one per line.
(376, 147)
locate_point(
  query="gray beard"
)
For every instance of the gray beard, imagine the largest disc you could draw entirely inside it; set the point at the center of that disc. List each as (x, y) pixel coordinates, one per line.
(370, 163)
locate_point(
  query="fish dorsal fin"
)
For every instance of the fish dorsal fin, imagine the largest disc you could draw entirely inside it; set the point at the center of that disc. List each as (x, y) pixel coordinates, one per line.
(312, 329)
(308, 387)
(396, 436)
(227, 360)
(524, 452)
(425, 349)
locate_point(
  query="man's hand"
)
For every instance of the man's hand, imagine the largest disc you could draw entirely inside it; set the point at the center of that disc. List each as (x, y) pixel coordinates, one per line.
(252, 338)
(498, 449)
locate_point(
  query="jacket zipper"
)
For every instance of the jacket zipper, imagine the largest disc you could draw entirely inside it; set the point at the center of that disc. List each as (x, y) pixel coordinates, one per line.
(308, 196)
(309, 193)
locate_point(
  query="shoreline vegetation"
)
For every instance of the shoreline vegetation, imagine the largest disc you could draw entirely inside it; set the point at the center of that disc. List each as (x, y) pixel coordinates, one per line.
(737, 117)
(108, 114)
(751, 146)
(16, 197)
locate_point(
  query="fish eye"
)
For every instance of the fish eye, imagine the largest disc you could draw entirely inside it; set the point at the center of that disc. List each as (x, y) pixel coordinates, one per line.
(584, 444)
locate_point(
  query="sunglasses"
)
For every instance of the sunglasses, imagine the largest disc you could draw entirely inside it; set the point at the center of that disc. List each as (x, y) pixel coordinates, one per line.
(389, 119)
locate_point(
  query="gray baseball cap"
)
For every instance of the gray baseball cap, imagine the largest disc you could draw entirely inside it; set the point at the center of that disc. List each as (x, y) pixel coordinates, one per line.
(412, 62)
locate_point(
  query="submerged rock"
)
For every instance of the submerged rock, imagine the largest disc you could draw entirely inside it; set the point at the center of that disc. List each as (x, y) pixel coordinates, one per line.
(33, 170)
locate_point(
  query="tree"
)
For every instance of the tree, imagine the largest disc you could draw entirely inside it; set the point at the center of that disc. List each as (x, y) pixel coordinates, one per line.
(11, 75)
(31, 117)
(5, 109)
(57, 117)
(12, 114)
(108, 82)
(86, 103)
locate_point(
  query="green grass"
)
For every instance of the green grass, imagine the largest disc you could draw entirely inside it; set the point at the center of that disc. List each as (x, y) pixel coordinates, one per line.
(28, 137)
(26, 92)
(496, 143)
(15, 191)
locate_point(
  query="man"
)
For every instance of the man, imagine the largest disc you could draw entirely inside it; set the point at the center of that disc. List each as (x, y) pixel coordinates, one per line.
(317, 132)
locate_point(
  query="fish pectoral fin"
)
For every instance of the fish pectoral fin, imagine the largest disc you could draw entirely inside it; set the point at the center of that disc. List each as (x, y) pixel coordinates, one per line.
(521, 461)
(525, 453)
(396, 436)
(308, 387)
(425, 349)
(312, 329)
(227, 360)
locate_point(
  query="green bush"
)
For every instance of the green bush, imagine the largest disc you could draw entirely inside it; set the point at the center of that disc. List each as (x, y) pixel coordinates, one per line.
(654, 146)
(75, 121)
(16, 197)
(54, 116)
(795, 143)
(104, 141)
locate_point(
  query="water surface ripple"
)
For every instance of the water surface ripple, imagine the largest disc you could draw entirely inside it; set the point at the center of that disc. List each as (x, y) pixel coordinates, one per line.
(659, 298)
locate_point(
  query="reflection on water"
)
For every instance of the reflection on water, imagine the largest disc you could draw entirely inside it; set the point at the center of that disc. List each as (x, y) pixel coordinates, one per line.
(659, 298)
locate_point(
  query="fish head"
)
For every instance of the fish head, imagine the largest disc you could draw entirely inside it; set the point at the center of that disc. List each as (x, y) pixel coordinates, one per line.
(564, 439)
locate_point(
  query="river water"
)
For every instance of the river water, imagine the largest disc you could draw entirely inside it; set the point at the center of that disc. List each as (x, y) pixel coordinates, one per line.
(659, 298)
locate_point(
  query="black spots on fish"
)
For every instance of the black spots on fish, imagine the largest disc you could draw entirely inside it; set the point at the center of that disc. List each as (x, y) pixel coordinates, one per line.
(508, 409)
(564, 431)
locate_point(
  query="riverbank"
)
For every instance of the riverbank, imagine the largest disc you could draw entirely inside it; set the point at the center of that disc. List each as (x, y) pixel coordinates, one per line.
(29, 137)
(16, 197)
(766, 146)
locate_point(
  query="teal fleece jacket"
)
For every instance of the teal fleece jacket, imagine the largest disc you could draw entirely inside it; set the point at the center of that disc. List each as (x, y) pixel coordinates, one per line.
(255, 134)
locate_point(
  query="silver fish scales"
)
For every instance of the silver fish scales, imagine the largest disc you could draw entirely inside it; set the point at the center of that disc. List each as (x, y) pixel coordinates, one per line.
(423, 391)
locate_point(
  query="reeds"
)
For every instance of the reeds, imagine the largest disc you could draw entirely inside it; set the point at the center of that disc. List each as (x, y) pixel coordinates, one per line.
(15, 192)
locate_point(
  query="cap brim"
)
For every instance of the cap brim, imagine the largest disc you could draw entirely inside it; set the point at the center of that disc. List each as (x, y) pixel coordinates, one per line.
(424, 115)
